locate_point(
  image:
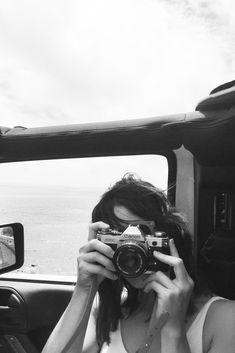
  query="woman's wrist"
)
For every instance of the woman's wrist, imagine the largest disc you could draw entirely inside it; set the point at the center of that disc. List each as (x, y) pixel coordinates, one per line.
(174, 339)
(89, 287)
(174, 332)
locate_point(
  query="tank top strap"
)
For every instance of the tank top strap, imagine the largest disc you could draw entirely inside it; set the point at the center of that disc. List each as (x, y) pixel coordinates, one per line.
(195, 331)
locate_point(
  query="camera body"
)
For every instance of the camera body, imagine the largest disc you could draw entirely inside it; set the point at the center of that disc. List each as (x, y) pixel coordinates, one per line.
(133, 250)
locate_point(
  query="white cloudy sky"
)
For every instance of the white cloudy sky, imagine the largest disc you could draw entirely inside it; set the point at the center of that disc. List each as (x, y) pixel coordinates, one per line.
(71, 61)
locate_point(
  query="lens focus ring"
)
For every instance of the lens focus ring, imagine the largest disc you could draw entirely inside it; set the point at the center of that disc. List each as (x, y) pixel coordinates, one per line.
(130, 259)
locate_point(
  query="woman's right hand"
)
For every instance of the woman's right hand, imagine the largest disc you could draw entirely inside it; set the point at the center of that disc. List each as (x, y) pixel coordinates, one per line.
(95, 259)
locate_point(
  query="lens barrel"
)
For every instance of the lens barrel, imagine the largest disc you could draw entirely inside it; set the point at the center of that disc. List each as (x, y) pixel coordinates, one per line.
(130, 259)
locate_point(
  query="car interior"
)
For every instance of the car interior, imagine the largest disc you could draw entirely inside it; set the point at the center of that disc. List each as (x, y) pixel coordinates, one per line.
(200, 150)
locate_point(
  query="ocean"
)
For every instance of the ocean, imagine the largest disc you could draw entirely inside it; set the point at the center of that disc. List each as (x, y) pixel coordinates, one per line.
(55, 221)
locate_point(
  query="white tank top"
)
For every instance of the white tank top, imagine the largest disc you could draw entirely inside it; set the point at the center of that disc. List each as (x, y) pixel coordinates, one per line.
(194, 333)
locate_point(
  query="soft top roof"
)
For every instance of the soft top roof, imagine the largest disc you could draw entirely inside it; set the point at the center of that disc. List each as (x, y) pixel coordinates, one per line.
(208, 133)
(221, 97)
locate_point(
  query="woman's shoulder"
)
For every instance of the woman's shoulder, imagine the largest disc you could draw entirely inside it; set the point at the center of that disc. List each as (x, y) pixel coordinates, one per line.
(221, 308)
(220, 320)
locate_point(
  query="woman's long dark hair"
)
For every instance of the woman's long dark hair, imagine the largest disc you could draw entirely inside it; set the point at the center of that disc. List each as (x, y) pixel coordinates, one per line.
(148, 202)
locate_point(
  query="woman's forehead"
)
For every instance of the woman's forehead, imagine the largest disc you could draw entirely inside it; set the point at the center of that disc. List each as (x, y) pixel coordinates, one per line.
(125, 215)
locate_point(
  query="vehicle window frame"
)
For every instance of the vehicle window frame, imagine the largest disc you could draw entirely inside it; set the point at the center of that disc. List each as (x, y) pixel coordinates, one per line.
(171, 161)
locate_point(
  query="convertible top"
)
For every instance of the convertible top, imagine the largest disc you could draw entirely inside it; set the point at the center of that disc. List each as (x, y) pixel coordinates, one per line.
(221, 97)
(207, 132)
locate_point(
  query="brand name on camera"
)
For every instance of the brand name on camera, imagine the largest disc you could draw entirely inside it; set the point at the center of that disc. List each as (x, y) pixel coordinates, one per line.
(132, 236)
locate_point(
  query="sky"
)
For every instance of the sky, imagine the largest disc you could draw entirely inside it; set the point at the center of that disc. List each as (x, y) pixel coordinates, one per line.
(76, 61)
(100, 173)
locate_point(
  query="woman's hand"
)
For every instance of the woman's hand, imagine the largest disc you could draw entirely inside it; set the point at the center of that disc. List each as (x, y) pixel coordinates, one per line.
(95, 259)
(173, 296)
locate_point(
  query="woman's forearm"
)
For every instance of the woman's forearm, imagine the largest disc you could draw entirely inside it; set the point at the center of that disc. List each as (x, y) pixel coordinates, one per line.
(68, 335)
(174, 342)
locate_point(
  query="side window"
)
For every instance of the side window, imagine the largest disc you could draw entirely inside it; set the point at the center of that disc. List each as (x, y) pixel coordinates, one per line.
(54, 199)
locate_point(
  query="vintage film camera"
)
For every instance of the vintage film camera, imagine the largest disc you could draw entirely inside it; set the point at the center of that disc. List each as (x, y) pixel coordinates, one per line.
(133, 250)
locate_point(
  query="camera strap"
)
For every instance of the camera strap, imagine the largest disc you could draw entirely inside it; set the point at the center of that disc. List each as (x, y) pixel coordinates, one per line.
(144, 348)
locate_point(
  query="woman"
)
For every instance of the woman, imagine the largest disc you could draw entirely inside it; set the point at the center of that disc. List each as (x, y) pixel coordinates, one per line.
(154, 312)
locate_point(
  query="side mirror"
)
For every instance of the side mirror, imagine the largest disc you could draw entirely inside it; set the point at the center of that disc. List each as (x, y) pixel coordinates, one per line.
(11, 247)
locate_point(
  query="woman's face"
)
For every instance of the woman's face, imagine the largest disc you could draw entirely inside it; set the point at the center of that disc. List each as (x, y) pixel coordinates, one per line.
(126, 218)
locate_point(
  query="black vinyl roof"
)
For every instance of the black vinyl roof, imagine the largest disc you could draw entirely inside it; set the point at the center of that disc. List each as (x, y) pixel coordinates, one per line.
(208, 132)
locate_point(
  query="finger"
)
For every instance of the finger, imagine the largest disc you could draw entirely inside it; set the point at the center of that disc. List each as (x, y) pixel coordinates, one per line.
(97, 258)
(161, 278)
(167, 259)
(173, 249)
(176, 262)
(97, 270)
(94, 227)
(156, 287)
(96, 245)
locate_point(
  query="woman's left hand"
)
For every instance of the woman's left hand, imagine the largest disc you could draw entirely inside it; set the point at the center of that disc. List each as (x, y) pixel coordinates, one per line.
(173, 296)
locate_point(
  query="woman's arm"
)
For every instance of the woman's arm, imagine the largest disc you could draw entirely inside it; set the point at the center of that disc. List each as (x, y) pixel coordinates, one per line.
(172, 301)
(219, 328)
(94, 264)
(68, 335)
(174, 343)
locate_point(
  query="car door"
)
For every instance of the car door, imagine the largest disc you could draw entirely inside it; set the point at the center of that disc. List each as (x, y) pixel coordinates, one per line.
(56, 213)
(189, 155)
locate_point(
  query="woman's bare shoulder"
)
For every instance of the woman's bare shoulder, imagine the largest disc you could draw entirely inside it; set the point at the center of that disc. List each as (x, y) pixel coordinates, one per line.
(220, 309)
(219, 326)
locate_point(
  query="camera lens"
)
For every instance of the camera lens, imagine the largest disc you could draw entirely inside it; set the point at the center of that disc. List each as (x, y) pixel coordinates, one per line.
(130, 259)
